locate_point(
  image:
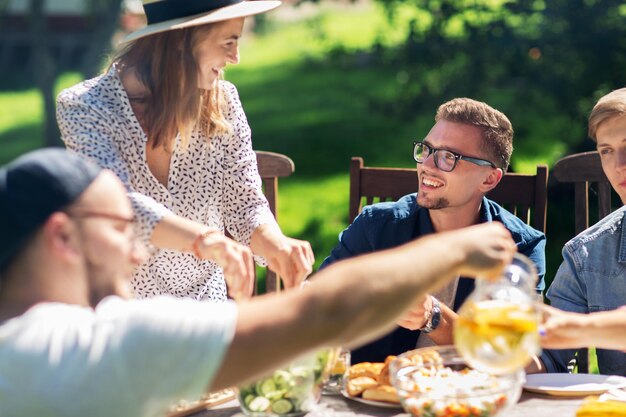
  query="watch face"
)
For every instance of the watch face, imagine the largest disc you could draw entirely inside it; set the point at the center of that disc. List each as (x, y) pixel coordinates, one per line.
(434, 319)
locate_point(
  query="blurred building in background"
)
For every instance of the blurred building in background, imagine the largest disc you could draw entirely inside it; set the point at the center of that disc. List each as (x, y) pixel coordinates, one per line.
(67, 29)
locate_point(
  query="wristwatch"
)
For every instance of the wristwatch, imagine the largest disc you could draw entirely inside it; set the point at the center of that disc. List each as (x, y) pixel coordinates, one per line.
(435, 317)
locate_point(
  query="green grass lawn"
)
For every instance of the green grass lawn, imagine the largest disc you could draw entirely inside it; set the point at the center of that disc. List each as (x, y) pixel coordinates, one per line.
(21, 114)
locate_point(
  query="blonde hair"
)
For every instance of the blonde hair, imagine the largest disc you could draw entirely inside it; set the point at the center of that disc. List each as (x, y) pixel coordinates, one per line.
(496, 127)
(165, 64)
(609, 106)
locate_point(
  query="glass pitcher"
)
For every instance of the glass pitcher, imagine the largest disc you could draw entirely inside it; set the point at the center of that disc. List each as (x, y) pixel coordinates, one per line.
(497, 327)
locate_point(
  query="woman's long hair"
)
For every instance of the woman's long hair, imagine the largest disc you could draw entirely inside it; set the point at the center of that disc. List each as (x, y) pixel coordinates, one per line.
(166, 66)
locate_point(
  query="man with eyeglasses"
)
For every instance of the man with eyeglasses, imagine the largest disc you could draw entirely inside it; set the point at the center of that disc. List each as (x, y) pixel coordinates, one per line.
(461, 159)
(74, 343)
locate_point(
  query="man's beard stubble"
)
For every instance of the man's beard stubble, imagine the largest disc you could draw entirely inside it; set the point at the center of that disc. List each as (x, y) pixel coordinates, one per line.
(103, 284)
(437, 204)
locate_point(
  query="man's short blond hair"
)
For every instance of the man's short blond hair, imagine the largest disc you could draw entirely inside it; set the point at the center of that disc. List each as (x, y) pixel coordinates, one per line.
(496, 127)
(608, 107)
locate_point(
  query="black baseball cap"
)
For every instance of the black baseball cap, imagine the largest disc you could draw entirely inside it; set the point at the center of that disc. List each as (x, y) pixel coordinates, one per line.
(33, 187)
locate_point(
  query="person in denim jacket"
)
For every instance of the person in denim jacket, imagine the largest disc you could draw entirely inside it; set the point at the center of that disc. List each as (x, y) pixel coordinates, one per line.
(592, 277)
(462, 158)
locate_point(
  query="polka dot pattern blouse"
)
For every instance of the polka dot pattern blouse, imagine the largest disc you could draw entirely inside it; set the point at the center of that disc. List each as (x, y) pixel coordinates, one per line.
(214, 182)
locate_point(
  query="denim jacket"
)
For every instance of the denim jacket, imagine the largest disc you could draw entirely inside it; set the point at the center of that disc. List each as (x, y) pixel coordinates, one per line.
(592, 278)
(387, 225)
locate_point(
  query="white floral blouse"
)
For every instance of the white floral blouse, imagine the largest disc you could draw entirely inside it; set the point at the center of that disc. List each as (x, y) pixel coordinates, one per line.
(214, 182)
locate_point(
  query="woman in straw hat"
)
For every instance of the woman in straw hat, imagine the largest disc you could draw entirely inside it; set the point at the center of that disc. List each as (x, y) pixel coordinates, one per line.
(163, 119)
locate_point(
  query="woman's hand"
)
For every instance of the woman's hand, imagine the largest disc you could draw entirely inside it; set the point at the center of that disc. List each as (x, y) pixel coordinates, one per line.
(291, 259)
(562, 330)
(235, 259)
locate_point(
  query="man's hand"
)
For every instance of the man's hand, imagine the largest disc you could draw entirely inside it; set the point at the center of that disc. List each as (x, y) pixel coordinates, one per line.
(235, 260)
(418, 314)
(488, 247)
(291, 259)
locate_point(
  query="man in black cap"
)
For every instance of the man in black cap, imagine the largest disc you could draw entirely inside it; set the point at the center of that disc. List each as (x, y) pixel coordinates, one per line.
(72, 345)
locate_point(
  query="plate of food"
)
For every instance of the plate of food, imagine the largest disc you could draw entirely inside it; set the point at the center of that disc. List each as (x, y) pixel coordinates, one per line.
(573, 385)
(368, 383)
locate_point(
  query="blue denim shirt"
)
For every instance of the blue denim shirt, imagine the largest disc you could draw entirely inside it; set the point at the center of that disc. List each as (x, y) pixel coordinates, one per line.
(592, 278)
(386, 225)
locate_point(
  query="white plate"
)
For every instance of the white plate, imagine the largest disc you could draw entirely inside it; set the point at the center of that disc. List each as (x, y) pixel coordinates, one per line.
(572, 385)
(381, 404)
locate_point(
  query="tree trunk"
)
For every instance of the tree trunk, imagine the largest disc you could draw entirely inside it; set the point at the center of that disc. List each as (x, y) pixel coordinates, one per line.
(105, 15)
(44, 70)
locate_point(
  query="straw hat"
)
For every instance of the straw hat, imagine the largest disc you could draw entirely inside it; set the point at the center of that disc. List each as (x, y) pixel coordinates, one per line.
(164, 15)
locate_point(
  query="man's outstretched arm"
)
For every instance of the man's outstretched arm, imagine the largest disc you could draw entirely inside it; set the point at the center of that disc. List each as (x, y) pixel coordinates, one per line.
(274, 329)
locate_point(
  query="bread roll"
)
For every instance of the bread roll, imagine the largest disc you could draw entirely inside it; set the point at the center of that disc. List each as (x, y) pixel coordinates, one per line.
(383, 377)
(383, 393)
(368, 369)
(356, 386)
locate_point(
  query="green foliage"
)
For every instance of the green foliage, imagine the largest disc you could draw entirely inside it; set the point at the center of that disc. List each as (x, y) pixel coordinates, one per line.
(21, 114)
(527, 57)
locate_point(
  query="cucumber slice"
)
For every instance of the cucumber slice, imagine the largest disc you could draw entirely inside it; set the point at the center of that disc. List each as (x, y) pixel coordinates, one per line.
(259, 404)
(265, 386)
(248, 399)
(282, 407)
(307, 404)
(274, 395)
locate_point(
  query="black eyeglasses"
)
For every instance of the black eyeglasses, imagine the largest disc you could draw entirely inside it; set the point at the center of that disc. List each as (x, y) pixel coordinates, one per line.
(445, 160)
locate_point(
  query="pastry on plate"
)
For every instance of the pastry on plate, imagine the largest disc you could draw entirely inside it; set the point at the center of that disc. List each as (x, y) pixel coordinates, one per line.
(383, 393)
(356, 386)
(368, 369)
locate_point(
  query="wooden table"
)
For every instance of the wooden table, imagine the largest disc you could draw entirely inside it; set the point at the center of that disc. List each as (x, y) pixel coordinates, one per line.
(529, 405)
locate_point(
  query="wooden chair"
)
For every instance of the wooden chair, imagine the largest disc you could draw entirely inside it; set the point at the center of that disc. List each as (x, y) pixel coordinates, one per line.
(271, 167)
(584, 170)
(525, 195)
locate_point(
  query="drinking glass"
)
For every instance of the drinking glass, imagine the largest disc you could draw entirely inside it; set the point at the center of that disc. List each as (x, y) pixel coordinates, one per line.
(334, 384)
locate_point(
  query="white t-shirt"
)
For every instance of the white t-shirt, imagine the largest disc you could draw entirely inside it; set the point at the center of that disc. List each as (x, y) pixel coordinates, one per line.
(126, 358)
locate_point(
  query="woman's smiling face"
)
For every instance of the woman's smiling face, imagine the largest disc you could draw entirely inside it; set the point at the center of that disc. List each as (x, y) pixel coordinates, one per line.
(215, 48)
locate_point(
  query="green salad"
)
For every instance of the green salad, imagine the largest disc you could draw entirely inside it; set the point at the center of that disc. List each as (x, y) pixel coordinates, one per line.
(292, 390)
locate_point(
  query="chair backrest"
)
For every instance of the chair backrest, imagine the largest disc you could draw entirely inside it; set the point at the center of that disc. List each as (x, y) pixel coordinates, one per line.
(525, 195)
(271, 167)
(584, 170)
